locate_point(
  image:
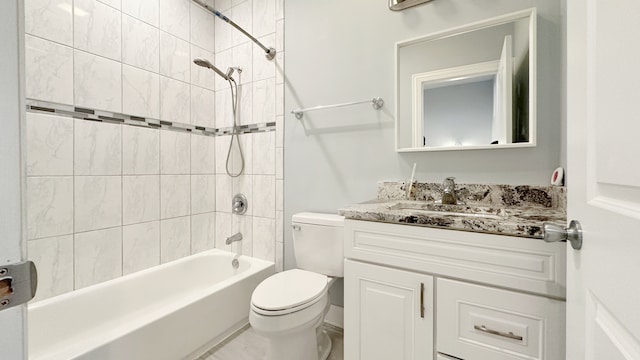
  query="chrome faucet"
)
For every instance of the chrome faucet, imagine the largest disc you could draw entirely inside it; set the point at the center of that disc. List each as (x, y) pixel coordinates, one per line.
(449, 191)
(233, 238)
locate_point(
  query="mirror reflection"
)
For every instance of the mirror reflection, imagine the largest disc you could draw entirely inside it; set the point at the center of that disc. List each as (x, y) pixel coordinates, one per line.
(468, 87)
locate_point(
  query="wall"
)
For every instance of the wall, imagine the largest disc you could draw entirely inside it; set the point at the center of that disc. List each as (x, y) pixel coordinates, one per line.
(344, 51)
(105, 200)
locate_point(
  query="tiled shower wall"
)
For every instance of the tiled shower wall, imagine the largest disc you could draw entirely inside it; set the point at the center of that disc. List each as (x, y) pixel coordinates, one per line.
(105, 200)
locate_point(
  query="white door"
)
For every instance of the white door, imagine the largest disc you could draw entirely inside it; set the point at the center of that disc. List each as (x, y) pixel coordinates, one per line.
(502, 124)
(603, 99)
(391, 313)
(12, 320)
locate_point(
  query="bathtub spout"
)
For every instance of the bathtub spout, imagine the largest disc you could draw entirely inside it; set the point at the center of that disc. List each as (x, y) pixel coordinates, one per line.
(233, 238)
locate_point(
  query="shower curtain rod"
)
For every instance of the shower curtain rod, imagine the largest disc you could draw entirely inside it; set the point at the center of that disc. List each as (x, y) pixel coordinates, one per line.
(270, 52)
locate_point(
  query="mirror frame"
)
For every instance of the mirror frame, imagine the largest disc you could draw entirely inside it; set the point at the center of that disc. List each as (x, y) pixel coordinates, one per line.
(518, 15)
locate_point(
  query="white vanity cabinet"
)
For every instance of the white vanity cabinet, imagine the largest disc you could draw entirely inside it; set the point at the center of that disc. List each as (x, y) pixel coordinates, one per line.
(425, 293)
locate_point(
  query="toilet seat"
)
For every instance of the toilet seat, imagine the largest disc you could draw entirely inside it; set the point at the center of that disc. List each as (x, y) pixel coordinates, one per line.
(288, 292)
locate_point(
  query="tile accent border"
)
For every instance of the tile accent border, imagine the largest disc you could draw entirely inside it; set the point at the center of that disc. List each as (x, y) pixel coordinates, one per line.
(38, 106)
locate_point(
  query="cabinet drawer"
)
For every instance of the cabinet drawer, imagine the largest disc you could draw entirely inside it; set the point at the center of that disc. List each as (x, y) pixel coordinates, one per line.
(529, 265)
(477, 322)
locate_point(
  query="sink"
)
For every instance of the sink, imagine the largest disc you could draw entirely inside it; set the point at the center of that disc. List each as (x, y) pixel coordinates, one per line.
(431, 208)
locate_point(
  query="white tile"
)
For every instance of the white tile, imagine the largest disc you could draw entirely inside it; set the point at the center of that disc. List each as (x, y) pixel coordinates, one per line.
(264, 244)
(279, 99)
(264, 195)
(279, 35)
(140, 199)
(175, 59)
(97, 148)
(175, 150)
(242, 14)
(140, 246)
(223, 34)
(202, 76)
(49, 206)
(222, 147)
(98, 202)
(202, 28)
(49, 145)
(174, 195)
(140, 151)
(264, 153)
(243, 57)
(223, 230)
(175, 235)
(54, 259)
(174, 17)
(222, 5)
(280, 67)
(264, 102)
(113, 3)
(280, 226)
(224, 112)
(145, 10)
(243, 184)
(263, 68)
(243, 224)
(279, 163)
(279, 131)
(97, 29)
(175, 97)
(264, 17)
(203, 232)
(203, 160)
(224, 187)
(98, 256)
(203, 107)
(245, 108)
(279, 9)
(246, 144)
(280, 195)
(140, 44)
(49, 19)
(203, 193)
(224, 60)
(279, 256)
(97, 82)
(49, 71)
(140, 92)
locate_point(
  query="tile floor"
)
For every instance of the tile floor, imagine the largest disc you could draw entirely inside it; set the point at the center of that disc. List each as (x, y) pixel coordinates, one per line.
(247, 345)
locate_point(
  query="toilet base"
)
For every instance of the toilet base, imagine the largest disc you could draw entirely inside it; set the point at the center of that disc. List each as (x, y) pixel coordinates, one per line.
(324, 344)
(311, 344)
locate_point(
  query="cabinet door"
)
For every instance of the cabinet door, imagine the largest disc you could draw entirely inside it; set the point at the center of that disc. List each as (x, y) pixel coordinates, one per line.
(388, 313)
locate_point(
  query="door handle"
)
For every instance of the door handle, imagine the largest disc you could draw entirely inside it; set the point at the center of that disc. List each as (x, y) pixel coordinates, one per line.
(18, 283)
(573, 234)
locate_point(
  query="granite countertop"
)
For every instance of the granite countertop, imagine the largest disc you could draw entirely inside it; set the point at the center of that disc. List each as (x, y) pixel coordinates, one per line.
(497, 209)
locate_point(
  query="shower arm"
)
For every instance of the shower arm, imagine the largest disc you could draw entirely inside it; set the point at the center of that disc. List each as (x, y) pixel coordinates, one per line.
(270, 52)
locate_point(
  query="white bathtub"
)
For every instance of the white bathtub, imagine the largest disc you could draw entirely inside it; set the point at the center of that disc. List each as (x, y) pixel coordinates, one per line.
(173, 311)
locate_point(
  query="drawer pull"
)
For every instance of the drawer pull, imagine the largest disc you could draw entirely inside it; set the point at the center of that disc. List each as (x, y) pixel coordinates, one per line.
(509, 335)
(422, 300)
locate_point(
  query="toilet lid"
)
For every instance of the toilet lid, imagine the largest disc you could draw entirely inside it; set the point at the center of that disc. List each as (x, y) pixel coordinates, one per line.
(288, 289)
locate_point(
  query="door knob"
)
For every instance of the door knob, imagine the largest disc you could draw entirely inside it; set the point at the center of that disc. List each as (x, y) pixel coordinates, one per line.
(555, 233)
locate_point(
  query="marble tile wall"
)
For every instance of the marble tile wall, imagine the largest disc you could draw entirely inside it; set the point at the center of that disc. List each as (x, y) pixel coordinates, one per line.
(105, 200)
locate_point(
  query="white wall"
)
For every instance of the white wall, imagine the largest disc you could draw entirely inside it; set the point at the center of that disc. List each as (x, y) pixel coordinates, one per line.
(340, 51)
(105, 200)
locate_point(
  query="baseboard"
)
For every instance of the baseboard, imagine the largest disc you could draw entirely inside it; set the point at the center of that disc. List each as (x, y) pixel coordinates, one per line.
(335, 316)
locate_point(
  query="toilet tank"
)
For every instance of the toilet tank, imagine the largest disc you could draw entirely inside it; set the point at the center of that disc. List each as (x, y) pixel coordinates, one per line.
(318, 243)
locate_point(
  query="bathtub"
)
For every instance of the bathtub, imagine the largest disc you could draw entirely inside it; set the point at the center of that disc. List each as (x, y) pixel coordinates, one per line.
(177, 310)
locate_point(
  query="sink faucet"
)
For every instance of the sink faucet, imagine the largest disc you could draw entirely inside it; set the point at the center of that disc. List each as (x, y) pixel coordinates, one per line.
(233, 238)
(449, 191)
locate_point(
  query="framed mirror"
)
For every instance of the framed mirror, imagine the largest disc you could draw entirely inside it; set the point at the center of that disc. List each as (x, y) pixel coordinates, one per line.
(471, 87)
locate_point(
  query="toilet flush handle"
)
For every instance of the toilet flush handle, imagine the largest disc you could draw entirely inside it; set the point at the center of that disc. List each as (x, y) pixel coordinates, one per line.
(296, 227)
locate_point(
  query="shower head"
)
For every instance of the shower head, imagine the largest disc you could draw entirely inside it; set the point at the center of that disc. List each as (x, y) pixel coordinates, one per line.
(206, 63)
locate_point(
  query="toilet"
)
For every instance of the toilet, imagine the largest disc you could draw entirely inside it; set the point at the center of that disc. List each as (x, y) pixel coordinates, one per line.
(289, 307)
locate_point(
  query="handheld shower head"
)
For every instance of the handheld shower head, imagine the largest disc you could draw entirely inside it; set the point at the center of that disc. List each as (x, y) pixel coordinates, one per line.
(206, 63)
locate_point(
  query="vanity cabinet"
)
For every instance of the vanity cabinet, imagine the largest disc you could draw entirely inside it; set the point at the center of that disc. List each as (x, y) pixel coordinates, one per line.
(425, 293)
